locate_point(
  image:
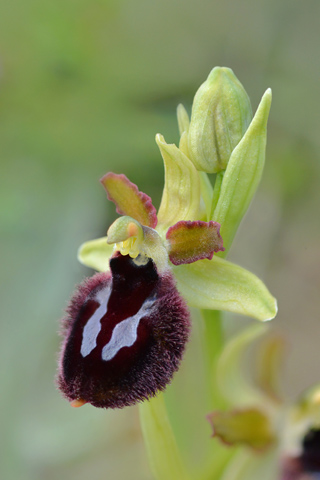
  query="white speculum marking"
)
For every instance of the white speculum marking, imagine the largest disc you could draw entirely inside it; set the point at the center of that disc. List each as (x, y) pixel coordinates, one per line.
(93, 326)
(125, 333)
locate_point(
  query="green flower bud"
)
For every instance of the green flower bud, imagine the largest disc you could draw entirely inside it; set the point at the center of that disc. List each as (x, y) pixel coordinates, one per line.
(221, 114)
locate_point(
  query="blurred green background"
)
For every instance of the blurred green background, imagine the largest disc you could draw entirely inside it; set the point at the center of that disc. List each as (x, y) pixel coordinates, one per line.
(85, 86)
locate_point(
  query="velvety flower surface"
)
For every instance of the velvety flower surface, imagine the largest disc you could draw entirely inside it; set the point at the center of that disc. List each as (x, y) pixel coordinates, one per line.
(125, 334)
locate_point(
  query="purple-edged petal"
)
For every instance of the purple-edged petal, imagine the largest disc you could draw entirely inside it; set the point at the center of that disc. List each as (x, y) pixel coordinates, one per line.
(128, 200)
(192, 241)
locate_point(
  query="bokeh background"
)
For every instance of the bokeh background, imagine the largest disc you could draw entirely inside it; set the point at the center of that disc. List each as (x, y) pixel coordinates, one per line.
(85, 86)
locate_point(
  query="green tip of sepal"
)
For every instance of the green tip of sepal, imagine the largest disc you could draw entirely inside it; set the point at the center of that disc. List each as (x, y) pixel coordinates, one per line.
(221, 114)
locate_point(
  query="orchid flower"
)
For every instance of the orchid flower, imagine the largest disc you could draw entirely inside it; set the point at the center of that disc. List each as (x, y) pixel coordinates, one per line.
(268, 435)
(126, 327)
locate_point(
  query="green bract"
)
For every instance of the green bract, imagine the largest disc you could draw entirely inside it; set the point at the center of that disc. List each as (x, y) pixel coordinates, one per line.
(243, 174)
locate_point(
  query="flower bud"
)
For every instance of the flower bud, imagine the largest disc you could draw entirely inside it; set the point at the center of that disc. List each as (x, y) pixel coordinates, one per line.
(221, 114)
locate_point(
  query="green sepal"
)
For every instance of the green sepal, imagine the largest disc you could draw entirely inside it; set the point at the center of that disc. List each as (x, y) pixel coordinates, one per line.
(221, 285)
(181, 194)
(162, 449)
(96, 254)
(243, 174)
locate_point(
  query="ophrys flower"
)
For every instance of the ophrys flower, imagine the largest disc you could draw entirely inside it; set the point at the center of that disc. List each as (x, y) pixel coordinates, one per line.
(126, 327)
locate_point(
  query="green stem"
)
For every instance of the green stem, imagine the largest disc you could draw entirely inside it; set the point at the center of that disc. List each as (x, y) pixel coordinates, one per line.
(213, 344)
(163, 453)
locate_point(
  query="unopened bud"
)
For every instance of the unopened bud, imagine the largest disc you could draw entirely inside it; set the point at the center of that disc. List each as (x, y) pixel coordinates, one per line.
(221, 114)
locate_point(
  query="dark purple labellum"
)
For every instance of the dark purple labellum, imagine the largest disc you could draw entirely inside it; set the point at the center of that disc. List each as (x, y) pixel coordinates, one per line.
(310, 457)
(307, 465)
(124, 336)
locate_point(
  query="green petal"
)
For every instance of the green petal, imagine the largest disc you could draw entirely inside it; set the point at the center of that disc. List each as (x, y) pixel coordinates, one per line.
(96, 254)
(181, 194)
(247, 426)
(163, 453)
(243, 174)
(221, 285)
(193, 241)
